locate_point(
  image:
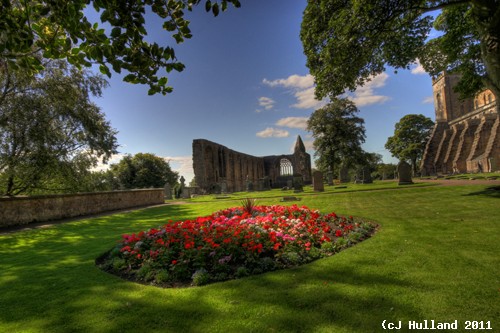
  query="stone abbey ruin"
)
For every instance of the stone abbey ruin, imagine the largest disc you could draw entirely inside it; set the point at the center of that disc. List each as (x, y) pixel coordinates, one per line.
(220, 169)
(466, 136)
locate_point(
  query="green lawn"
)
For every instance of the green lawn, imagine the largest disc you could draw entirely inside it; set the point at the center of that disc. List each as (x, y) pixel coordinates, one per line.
(435, 257)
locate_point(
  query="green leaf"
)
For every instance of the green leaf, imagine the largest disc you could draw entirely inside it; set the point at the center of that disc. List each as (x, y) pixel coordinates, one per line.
(215, 9)
(162, 81)
(105, 70)
(131, 78)
(208, 5)
(116, 32)
(169, 25)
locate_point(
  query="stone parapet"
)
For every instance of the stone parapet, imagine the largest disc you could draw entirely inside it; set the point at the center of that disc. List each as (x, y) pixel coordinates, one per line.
(24, 210)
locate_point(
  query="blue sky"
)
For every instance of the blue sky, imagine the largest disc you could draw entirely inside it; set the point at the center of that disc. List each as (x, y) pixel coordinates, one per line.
(246, 86)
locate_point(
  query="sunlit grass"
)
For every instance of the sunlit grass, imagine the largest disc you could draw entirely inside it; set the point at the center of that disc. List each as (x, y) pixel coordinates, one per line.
(308, 190)
(436, 256)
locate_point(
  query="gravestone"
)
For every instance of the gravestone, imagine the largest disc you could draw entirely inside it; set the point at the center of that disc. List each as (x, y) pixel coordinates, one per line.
(249, 184)
(297, 184)
(266, 183)
(289, 183)
(344, 175)
(363, 176)
(318, 185)
(168, 192)
(368, 176)
(329, 177)
(223, 187)
(404, 171)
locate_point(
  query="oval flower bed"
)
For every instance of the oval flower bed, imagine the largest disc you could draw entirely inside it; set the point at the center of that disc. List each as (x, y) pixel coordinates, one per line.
(232, 243)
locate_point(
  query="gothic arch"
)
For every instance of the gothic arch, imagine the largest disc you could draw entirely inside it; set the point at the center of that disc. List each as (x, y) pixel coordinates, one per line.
(286, 167)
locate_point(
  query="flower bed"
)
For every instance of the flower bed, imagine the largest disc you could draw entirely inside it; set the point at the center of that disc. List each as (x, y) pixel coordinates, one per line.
(232, 243)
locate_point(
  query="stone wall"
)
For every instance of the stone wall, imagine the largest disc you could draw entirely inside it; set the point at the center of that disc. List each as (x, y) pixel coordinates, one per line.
(220, 169)
(466, 137)
(24, 210)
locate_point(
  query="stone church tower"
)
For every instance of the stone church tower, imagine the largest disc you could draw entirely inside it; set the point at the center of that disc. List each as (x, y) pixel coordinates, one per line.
(466, 136)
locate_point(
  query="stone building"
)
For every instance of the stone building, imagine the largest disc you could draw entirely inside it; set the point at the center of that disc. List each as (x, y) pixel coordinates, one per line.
(218, 168)
(466, 136)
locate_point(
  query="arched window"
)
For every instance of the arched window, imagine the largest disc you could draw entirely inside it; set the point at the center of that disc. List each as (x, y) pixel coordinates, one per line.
(286, 168)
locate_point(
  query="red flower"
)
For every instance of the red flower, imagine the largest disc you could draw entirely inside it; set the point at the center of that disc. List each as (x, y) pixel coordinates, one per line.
(174, 262)
(338, 233)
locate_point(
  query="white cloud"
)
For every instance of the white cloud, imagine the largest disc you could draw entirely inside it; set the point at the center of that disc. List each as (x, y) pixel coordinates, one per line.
(365, 95)
(418, 69)
(293, 122)
(303, 90)
(183, 165)
(307, 100)
(273, 133)
(293, 81)
(428, 100)
(309, 145)
(266, 102)
(115, 158)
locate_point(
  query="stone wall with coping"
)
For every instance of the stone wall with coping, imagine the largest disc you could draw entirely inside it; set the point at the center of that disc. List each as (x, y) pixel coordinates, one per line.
(24, 210)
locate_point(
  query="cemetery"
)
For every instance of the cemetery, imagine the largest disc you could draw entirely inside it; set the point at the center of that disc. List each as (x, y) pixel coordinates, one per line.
(58, 264)
(293, 235)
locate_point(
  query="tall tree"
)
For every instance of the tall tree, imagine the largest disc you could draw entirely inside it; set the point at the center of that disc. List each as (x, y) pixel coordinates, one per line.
(338, 133)
(61, 29)
(143, 170)
(349, 42)
(411, 134)
(49, 127)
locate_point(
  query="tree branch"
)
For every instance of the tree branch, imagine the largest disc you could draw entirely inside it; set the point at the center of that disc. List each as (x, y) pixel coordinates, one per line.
(440, 6)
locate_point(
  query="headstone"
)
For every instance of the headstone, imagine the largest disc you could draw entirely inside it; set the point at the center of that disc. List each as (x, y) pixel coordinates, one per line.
(168, 192)
(367, 175)
(318, 185)
(289, 183)
(404, 171)
(329, 177)
(364, 176)
(249, 184)
(223, 187)
(185, 193)
(297, 184)
(344, 175)
(266, 183)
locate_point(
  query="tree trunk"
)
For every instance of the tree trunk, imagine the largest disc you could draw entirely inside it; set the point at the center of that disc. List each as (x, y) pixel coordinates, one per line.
(10, 185)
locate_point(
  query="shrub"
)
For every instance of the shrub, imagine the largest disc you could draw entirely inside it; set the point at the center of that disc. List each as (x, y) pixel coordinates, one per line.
(200, 277)
(162, 276)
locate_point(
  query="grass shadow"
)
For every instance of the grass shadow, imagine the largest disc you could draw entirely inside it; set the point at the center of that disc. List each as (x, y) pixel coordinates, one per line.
(492, 192)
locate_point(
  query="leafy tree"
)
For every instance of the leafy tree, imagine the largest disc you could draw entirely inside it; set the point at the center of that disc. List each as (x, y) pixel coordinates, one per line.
(50, 131)
(349, 42)
(61, 29)
(338, 133)
(370, 160)
(411, 134)
(143, 170)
